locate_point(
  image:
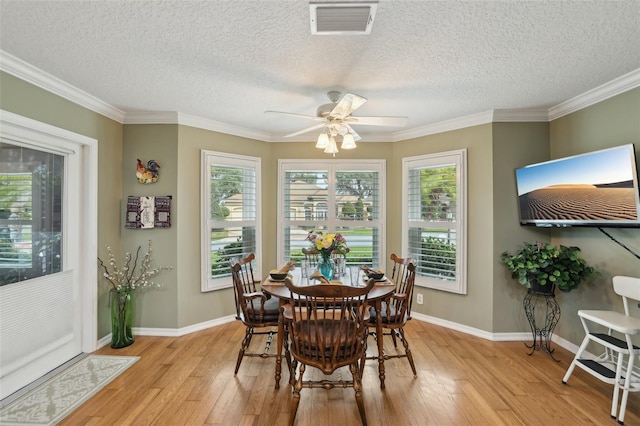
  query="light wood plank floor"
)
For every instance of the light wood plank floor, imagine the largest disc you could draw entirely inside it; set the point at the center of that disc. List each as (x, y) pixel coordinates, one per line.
(462, 380)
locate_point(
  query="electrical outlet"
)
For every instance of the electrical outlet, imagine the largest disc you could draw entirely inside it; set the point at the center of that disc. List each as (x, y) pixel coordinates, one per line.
(419, 298)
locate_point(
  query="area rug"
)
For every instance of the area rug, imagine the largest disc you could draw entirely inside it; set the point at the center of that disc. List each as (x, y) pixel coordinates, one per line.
(54, 399)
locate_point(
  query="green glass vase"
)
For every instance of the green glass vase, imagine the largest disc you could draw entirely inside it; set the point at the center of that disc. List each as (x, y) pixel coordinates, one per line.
(121, 318)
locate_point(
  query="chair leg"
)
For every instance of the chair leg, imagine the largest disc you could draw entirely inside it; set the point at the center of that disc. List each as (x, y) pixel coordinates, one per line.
(581, 349)
(616, 386)
(393, 338)
(296, 396)
(627, 383)
(292, 364)
(363, 359)
(408, 351)
(243, 347)
(357, 387)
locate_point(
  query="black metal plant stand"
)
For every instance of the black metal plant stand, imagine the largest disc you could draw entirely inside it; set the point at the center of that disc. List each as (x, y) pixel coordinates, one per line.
(542, 335)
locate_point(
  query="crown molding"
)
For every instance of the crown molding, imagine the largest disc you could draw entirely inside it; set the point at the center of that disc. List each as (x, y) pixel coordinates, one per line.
(27, 72)
(491, 116)
(520, 115)
(174, 117)
(146, 117)
(615, 87)
(445, 126)
(217, 126)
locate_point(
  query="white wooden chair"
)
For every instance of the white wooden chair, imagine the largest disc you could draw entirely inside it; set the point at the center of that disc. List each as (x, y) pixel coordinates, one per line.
(617, 342)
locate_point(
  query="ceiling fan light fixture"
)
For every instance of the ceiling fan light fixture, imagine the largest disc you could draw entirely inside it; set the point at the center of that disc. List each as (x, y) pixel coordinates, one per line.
(336, 121)
(323, 141)
(348, 142)
(331, 148)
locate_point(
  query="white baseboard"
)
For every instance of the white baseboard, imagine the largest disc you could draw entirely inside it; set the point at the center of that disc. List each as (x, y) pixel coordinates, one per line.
(172, 332)
(496, 337)
(569, 346)
(177, 332)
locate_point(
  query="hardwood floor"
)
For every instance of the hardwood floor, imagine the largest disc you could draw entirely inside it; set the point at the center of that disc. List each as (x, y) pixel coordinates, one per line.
(462, 380)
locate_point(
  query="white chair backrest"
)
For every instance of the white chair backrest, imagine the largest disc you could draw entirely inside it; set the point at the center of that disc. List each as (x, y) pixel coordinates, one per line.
(628, 288)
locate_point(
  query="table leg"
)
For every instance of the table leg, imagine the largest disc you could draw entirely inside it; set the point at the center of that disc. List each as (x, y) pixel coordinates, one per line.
(380, 341)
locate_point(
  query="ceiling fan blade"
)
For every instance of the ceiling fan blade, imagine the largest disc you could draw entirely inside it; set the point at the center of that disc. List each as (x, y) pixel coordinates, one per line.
(356, 136)
(378, 121)
(346, 105)
(308, 129)
(310, 117)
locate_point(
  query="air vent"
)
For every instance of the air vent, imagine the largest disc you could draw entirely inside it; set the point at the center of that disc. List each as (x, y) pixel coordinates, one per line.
(342, 18)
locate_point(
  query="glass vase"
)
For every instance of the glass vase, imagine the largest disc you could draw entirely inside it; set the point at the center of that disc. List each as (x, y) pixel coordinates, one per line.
(326, 266)
(121, 318)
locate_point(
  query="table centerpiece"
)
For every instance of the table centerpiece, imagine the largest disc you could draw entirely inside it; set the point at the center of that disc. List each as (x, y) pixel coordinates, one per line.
(327, 244)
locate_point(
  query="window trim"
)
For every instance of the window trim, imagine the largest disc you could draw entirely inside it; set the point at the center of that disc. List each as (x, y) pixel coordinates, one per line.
(207, 159)
(332, 165)
(459, 158)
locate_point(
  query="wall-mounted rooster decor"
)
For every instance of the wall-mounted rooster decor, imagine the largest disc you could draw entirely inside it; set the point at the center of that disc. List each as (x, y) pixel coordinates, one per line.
(147, 174)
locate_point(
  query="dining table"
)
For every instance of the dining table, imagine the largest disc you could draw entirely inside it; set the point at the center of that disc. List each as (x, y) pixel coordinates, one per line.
(382, 289)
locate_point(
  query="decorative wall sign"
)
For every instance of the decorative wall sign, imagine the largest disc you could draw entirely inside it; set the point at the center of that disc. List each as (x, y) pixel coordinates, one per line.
(148, 212)
(162, 215)
(147, 174)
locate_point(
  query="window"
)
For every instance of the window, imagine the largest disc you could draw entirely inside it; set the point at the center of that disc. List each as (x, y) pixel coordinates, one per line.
(338, 196)
(230, 214)
(434, 218)
(31, 185)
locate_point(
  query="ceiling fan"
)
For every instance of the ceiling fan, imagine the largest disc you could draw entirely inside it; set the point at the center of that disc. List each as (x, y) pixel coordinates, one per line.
(336, 120)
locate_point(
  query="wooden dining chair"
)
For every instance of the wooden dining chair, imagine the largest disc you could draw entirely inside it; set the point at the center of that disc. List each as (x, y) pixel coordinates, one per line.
(311, 256)
(326, 328)
(255, 309)
(396, 309)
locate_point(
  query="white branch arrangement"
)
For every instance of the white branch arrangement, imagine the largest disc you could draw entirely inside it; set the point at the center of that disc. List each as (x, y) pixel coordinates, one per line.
(131, 276)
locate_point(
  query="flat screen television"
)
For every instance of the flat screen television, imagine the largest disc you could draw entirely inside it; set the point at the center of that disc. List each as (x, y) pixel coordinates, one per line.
(599, 188)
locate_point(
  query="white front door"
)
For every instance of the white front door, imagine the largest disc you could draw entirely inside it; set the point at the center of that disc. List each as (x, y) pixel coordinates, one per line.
(42, 251)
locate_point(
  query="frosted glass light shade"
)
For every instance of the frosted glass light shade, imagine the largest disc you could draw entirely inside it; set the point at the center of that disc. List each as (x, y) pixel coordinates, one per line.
(323, 141)
(331, 148)
(348, 142)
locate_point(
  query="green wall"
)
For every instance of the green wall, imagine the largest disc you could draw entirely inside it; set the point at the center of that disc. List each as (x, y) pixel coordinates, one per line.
(156, 308)
(473, 309)
(613, 122)
(493, 302)
(514, 145)
(194, 306)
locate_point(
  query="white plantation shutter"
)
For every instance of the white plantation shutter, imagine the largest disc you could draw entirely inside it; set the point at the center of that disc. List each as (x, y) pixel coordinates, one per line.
(231, 225)
(340, 196)
(433, 230)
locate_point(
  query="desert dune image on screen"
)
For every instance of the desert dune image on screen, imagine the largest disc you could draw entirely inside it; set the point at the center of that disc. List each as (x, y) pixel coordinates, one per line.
(591, 187)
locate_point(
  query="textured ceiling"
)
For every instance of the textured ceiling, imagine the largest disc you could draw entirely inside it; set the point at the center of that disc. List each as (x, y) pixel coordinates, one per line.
(229, 61)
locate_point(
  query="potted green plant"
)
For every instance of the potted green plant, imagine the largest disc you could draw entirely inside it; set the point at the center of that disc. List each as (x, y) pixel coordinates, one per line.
(542, 267)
